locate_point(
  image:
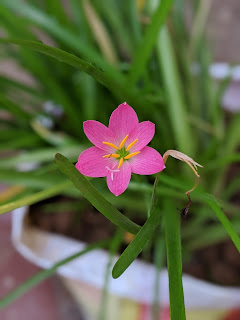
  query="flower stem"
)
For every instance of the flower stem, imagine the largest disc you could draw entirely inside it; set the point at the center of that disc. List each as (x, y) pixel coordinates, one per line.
(174, 260)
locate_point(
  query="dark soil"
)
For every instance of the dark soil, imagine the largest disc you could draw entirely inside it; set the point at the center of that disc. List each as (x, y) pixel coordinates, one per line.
(89, 226)
(218, 263)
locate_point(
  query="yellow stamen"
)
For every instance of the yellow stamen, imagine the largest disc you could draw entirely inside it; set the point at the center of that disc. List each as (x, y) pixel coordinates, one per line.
(110, 144)
(131, 155)
(123, 141)
(112, 155)
(131, 144)
(120, 163)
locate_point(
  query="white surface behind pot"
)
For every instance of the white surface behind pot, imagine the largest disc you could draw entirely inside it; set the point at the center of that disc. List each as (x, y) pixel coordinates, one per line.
(137, 283)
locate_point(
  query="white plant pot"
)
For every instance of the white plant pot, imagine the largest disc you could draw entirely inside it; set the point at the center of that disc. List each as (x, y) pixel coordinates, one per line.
(131, 295)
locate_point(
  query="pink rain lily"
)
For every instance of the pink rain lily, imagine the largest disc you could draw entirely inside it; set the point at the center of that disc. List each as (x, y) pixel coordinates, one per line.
(119, 150)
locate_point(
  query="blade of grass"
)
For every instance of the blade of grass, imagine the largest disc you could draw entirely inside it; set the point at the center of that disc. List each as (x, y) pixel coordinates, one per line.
(145, 233)
(56, 8)
(145, 48)
(40, 156)
(100, 33)
(134, 20)
(28, 200)
(137, 244)
(223, 161)
(29, 179)
(7, 82)
(70, 59)
(79, 18)
(44, 274)
(93, 196)
(209, 235)
(86, 89)
(199, 25)
(174, 260)
(108, 10)
(232, 188)
(212, 202)
(14, 109)
(116, 85)
(52, 26)
(184, 138)
(37, 65)
(20, 142)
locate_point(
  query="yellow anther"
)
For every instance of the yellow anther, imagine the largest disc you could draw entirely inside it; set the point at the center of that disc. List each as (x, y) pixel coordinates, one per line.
(131, 144)
(110, 144)
(123, 141)
(131, 155)
(120, 163)
(112, 155)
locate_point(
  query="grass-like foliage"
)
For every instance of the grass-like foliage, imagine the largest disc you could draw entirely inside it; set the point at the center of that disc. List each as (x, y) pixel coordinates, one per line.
(79, 63)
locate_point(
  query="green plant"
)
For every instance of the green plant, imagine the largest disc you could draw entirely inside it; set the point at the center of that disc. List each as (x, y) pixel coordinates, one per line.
(86, 74)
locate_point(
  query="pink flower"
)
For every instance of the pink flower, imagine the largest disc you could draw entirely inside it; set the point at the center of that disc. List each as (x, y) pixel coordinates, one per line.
(120, 150)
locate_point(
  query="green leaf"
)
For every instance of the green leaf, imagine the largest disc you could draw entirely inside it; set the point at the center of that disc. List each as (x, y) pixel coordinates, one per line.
(15, 84)
(44, 274)
(68, 58)
(29, 179)
(174, 260)
(14, 109)
(23, 141)
(93, 196)
(176, 107)
(40, 18)
(55, 8)
(224, 220)
(208, 235)
(40, 156)
(223, 161)
(39, 196)
(144, 50)
(137, 244)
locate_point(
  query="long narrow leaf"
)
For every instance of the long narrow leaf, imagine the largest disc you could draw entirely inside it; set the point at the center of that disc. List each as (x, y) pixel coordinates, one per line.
(144, 50)
(174, 261)
(40, 155)
(137, 244)
(68, 58)
(117, 87)
(176, 107)
(45, 21)
(39, 196)
(93, 196)
(13, 108)
(224, 220)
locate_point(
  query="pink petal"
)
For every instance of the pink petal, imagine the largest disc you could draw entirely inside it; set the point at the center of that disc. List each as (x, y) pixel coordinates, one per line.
(144, 132)
(97, 133)
(92, 164)
(118, 181)
(148, 161)
(122, 121)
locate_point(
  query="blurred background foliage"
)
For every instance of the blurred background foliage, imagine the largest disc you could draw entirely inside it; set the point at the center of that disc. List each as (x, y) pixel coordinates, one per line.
(136, 55)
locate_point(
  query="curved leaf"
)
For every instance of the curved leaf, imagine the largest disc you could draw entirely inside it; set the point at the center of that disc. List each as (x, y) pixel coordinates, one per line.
(93, 196)
(137, 244)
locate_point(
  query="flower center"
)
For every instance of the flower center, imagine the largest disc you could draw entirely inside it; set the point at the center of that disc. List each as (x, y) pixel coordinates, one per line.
(121, 152)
